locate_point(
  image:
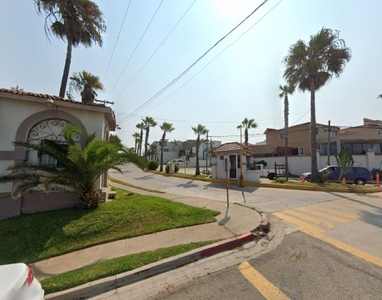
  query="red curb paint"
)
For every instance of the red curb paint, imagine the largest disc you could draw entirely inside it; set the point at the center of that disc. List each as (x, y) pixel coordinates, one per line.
(227, 245)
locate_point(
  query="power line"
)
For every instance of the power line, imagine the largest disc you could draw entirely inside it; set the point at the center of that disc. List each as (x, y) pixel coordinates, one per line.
(192, 65)
(216, 56)
(156, 50)
(136, 46)
(116, 41)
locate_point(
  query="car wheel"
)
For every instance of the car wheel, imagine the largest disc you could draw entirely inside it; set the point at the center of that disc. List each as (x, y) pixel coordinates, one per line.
(271, 176)
(360, 181)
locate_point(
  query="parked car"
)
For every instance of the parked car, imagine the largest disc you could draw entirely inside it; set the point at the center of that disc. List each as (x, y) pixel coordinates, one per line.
(17, 281)
(181, 162)
(356, 175)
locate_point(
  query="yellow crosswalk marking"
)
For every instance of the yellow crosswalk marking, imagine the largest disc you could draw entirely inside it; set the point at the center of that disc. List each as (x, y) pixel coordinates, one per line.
(303, 226)
(312, 211)
(310, 219)
(266, 288)
(340, 213)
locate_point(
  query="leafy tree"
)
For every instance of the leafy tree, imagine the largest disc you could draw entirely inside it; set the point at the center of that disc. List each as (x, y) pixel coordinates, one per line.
(86, 84)
(165, 127)
(114, 139)
(247, 123)
(140, 126)
(310, 66)
(74, 21)
(345, 161)
(76, 169)
(199, 131)
(148, 123)
(285, 91)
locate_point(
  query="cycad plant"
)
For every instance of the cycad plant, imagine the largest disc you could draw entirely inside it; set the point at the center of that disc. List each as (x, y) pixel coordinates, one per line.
(76, 169)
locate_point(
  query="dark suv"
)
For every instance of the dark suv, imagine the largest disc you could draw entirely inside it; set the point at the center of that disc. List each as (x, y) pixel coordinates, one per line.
(356, 175)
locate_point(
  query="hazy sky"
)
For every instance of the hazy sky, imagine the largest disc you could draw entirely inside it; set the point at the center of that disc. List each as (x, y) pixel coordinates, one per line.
(239, 78)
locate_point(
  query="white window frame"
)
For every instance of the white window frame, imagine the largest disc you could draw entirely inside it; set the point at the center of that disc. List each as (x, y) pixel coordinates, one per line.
(301, 151)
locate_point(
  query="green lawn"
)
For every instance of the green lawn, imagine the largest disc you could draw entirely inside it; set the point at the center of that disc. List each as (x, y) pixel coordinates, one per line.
(113, 266)
(39, 236)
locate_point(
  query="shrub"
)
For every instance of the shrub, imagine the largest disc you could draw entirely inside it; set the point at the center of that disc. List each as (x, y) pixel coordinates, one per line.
(167, 169)
(260, 162)
(152, 164)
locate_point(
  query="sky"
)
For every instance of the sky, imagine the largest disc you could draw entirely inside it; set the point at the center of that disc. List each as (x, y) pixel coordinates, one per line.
(149, 43)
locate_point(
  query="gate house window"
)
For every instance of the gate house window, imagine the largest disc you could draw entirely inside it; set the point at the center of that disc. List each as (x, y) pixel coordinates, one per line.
(44, 159)
(48, 132)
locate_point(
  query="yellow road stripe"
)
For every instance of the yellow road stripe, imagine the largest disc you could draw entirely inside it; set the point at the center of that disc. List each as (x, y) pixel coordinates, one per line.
(311, 211)
(313, 220)
(266, 288)
(319, 234)
(305, 227)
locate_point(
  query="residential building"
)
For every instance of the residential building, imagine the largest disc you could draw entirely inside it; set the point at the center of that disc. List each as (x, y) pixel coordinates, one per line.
(26, 116)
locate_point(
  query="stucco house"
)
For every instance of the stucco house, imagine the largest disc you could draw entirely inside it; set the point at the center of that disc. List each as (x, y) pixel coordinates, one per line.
(229, 160)
(26, 116)
(363, 141)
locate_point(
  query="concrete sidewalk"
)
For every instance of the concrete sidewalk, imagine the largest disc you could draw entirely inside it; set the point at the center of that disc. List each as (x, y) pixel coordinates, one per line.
(233, 225)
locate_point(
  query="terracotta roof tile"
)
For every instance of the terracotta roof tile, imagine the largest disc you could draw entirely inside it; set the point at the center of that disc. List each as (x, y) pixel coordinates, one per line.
(46, 96)
(234, 147)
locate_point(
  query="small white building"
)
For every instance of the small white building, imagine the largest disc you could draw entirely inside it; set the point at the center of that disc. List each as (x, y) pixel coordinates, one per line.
(26, 116)
(230, 160)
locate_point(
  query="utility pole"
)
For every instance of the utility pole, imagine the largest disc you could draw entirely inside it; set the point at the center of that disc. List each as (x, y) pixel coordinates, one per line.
(241, 179)
(207, 154)
(329, 130)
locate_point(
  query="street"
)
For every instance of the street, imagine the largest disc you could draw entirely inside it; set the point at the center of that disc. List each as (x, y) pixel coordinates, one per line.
(332, 248)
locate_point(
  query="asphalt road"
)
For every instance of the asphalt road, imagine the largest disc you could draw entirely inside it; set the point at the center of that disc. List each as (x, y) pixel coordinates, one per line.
(332, 249)
(302, 267)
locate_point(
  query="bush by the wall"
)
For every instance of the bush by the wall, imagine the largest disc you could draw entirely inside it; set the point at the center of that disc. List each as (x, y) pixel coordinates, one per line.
(152, 165)
(167, 169)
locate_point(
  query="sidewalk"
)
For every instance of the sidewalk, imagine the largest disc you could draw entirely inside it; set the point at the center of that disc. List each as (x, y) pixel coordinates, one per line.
(236, 222)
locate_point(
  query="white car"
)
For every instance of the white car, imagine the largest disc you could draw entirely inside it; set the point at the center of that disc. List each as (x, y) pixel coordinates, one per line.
(17, 282)
(179, 161)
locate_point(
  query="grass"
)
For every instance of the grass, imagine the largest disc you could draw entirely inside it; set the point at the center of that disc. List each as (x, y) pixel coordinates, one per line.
(34, 237)
(113, 266)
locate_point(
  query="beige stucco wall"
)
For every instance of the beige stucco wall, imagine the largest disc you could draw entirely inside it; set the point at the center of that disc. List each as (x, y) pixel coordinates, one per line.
(21, 113)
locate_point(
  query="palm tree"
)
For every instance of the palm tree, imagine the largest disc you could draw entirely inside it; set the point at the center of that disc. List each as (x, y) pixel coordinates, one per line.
(75, 170)
(199, 131)
(86, 84)
(140, 126)
(77, 22)
(247, 124)
(136, 137)
(310, 66)
(165, 127)
(285, 91)
(148, 123)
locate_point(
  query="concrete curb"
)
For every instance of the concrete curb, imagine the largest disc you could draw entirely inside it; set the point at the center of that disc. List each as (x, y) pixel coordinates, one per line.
(113, 282)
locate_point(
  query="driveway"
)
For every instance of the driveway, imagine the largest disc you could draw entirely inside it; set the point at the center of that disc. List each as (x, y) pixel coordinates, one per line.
(267, 199)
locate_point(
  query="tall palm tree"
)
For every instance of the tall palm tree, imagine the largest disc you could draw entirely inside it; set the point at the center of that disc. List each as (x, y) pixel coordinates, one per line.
(136, 137)
(140, 126)
(76, 169)
(310, 66)
(285, 91)
(77, 22)
(247, 123)
(199, 131)
(87, 84)
(148, 122)
(165, 127)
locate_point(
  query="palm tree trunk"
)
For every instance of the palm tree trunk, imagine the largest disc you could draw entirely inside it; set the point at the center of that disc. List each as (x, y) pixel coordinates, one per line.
(246, 136)
(197, 169)
(313, 126)
(286, 113)
(65, 74)
(147, 140)
(90, 198)
(161, 152)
